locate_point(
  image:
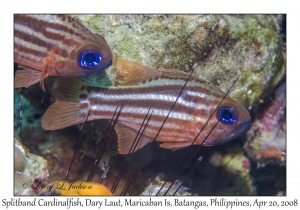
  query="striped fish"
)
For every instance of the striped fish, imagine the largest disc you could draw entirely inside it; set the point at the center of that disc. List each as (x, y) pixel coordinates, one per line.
(56, 45)
(141, 88)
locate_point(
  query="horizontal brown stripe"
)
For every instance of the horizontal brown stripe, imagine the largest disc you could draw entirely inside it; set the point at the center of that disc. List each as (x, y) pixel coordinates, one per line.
(163, 105)
(41, 26)
(172, 90)
(30, 38)
(38, 53)
(25, 60)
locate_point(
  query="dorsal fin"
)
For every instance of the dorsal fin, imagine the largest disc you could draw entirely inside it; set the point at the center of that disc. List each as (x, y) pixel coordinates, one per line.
(174, 73)
(131, 73)
(126, 137)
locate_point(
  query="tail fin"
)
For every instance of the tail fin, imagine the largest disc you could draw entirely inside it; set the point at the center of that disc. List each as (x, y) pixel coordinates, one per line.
(62, 114)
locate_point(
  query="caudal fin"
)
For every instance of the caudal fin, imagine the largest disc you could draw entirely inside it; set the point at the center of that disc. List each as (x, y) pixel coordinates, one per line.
(62, 114)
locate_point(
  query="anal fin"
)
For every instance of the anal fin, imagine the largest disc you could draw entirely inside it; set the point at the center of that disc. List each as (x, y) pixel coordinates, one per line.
(175, 145)
(126, 139)
(27, 77)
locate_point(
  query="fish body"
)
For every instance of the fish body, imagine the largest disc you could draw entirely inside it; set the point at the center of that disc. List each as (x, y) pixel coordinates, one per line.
(56, 45)
(200, 108)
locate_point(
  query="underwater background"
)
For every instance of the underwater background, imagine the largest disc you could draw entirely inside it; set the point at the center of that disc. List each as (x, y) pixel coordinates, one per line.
(219, 48)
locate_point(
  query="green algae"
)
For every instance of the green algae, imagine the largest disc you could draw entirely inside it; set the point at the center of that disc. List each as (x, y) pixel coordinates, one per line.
(247, 46)
(231, 46)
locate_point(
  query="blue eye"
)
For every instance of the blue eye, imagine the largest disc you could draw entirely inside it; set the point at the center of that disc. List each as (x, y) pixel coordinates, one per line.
(89, 58)
(227, 115)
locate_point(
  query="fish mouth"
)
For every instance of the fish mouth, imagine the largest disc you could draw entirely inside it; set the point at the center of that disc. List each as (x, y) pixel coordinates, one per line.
(241, 129)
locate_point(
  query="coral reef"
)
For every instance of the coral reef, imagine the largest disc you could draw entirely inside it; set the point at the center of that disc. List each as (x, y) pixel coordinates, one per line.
(30, 171)
(235, 163)
(218, 48)
(155, 188)
(267, 139)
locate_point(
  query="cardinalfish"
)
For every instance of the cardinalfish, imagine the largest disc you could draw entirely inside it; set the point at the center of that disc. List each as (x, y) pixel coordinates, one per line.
(56, 45)
(200, 108)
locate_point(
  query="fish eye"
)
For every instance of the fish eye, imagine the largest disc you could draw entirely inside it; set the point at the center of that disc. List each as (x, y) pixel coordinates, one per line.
(89, 58)
(227, 115)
